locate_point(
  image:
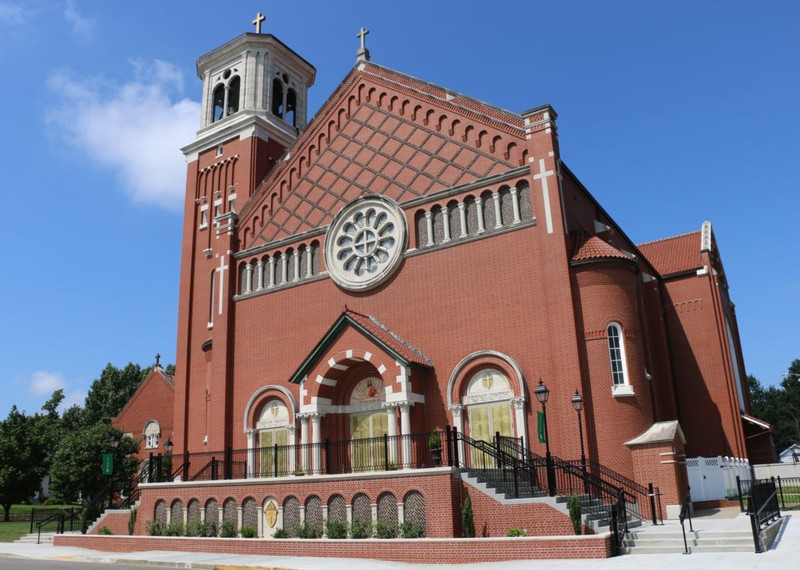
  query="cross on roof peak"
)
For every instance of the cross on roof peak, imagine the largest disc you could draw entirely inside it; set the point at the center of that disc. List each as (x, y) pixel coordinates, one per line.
(257, 22)
(363, 52)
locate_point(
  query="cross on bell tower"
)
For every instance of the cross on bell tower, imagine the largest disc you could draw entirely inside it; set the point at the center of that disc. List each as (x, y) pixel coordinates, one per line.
(257, 22)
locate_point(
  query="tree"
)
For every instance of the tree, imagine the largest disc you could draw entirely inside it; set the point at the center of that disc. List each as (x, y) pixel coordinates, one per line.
(779, 405)
(76, 467)
(26, 444)
(109, 393)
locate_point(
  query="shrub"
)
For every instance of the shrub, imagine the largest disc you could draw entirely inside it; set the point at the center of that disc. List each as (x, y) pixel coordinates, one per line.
(175, 528)
(228, 530)
(385, 530)
(411, 530)
(306, 530)
(280, 533)
(574, 507)
(517, 532)
(360, 529)
(198, 528)
(467, 519)
(249, 532)
(154, 528)
(132, 521)
(434, 440)
(104, 530)
(335, 529)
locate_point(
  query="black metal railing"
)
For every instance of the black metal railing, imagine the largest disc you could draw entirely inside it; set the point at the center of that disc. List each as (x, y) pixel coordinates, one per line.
(505, 463)
(385, 453)
(763, 508)
(55, 520)
(686, 513)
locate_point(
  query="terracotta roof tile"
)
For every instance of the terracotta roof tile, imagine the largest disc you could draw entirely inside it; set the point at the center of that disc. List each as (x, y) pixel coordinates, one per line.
(390, 338)
(595, 248)
(674, 254)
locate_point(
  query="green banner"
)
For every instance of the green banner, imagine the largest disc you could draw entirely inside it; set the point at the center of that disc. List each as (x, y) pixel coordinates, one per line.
(540, 425)
(108, 463)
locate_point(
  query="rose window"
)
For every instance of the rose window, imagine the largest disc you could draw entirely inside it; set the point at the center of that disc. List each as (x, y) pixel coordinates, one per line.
(365, 243)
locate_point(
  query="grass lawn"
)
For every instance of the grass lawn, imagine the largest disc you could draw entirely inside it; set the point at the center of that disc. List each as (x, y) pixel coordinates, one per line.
(11, 531)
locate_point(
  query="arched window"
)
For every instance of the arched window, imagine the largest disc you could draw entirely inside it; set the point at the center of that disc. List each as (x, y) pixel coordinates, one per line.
(368, 424)
(152, 431)
(233, 95)
(219, 103)
(291, 107)
(616, 353)
(277, 97)
(273, 439)
(488, 403)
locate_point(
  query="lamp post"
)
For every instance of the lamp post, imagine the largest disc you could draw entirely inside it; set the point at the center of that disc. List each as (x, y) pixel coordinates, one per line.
(168, 450)
(114, 442)
(542, 394)
(577, 403)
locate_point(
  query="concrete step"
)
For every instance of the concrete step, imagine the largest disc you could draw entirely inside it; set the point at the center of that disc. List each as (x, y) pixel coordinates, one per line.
(670, 542)
(33, 538)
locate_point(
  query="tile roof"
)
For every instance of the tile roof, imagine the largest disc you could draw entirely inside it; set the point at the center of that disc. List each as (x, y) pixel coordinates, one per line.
(674, 254)
(391, 339)
(593, 247)
(371, 328)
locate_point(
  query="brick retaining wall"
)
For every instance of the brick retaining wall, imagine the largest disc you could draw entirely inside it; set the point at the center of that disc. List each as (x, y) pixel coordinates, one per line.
(444, 551)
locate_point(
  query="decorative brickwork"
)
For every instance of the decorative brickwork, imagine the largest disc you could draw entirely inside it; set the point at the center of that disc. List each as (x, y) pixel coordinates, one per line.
(250, 513)
(362, 510)
(387, 509)
(314, 514)
(337, 509)
(230, 512)
(291, 515)
(414, 509)
(177, 512)
(193, 512)
(212, 516)
(160, 513)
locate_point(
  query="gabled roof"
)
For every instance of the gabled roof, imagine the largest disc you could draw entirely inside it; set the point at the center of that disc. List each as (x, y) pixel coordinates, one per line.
(155, 373)
(377, 148)
(373, 330)
(676, 254)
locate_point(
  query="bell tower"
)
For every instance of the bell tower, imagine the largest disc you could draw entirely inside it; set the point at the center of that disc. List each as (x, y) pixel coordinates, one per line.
(254, 106)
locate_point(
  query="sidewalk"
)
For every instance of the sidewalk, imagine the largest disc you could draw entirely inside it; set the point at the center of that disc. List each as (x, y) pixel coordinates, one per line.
(785, 554)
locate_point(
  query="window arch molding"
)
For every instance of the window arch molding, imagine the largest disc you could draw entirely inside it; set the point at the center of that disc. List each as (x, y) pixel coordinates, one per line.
(618, 361)
(151, 434)
(473, 363)
(512, 399)
(261, 396)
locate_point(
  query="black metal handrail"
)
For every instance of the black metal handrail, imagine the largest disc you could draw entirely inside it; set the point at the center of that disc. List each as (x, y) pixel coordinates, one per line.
(686, 512)
(763, 508)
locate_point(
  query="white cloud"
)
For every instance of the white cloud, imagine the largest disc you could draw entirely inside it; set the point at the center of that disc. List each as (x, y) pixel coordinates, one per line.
(12, 14)
(41, 385)
(82, 26)
(135, 128)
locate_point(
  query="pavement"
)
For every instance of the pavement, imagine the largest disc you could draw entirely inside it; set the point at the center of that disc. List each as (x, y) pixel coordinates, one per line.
(784, 554)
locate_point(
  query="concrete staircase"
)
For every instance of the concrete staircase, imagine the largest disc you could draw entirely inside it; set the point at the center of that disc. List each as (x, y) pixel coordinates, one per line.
(670, 541)
(33, 538)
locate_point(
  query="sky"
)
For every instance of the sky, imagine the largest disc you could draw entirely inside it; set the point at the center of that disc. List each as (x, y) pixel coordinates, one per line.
(670, 113)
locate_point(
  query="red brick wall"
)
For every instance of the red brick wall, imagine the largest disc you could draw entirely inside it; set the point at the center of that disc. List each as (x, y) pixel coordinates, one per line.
(419, 551)
(115, 521)
(154, 400)
(609, 292)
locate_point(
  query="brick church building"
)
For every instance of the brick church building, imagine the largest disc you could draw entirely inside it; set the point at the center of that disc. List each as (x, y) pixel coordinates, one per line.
(409, 261)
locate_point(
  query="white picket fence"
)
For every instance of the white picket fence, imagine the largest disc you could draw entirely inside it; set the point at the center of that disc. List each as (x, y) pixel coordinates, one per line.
(713, 478)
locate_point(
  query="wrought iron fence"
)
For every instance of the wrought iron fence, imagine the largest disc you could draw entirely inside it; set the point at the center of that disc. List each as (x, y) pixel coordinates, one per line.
(385, 453)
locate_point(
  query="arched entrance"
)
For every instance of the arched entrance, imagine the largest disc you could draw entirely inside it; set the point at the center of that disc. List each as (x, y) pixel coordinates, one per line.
(273, 439)
(369, 423)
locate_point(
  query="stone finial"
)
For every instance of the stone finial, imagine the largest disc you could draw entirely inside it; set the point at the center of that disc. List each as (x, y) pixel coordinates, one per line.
(363, 53)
